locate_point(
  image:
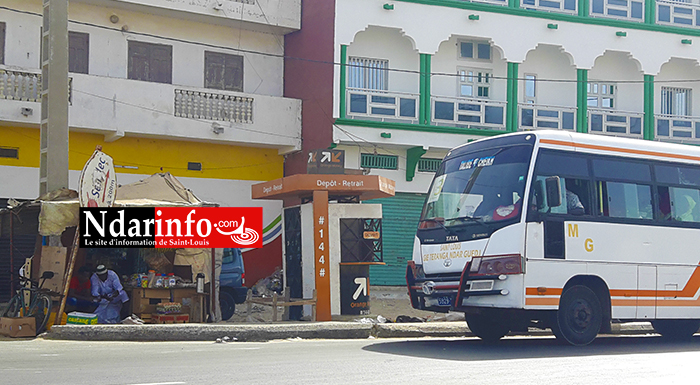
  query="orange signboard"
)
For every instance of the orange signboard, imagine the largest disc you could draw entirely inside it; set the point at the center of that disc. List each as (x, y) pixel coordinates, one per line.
(321, 249)
(364, 186)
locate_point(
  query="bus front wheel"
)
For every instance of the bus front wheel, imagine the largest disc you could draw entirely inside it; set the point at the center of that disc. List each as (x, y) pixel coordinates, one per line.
(487, 328)
(677, 329)
(580, 316)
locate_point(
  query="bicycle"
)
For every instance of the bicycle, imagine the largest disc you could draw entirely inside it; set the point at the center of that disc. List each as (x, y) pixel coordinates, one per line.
(38, 306)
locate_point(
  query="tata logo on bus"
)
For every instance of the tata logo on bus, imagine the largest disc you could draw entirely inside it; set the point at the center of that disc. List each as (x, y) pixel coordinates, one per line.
(171, 227)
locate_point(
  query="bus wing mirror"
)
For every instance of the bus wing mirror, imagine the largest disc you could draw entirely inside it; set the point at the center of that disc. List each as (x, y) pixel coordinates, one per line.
(553, 188)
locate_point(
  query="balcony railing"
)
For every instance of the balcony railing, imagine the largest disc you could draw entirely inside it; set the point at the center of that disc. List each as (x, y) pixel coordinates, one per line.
(559, 6)
(213, 106)
(382, 106)
(471, 113)
(536, 116)
(677, 128)
(618, 123)
(18, 85)
(25, 86)
(678, 13)
(631, 10)
(495, 2)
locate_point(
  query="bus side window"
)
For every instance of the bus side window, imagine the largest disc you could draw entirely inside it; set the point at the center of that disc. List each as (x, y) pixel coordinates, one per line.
(625, 200)
(684, 204)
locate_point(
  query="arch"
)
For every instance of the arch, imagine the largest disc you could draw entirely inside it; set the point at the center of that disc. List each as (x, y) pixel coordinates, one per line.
(610, 55)
(370, 30)
(551, 47)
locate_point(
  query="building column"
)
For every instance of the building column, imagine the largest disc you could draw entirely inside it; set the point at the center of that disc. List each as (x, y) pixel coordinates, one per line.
(584, 7)
(512, 98)
(649, 11)
(343, 79)
(649, 107)
(582, 100)
(424, 104)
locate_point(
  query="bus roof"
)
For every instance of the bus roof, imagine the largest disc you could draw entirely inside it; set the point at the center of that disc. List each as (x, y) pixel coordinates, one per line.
(609, 145)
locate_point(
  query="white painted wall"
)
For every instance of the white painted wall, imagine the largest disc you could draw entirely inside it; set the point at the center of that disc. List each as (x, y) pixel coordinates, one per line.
(550, 62)
(389, 44)
(108, 47)
(308, 262)
(619, 67)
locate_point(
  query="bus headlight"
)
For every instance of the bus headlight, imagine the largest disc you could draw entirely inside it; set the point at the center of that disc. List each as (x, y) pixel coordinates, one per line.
(505, 264)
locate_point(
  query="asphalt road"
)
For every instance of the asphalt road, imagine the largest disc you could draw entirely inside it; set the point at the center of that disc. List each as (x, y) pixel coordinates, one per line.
(515, 360)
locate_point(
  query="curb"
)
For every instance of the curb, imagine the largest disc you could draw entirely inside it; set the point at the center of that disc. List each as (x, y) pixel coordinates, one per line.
(268, 332)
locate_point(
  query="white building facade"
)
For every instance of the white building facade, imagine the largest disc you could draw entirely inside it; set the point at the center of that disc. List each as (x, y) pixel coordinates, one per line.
(194, 88)
(418, 77)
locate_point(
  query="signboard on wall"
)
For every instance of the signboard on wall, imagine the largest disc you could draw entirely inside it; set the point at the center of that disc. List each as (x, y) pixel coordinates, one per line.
(326, 162)
(354, 289)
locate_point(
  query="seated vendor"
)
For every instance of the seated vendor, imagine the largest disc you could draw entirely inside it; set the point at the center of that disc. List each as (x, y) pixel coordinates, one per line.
(108, 291)
(79, 293)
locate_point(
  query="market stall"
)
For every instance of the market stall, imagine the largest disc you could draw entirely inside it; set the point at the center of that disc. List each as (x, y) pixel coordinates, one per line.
(156, 280)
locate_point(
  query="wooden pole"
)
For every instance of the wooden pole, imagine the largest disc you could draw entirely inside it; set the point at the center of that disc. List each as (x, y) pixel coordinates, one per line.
(69, 275)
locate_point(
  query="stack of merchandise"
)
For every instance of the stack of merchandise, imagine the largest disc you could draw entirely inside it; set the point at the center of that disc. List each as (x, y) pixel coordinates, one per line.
(169, 308)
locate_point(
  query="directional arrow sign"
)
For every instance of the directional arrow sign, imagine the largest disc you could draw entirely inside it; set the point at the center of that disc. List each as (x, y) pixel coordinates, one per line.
(362, 287)
(326, 156)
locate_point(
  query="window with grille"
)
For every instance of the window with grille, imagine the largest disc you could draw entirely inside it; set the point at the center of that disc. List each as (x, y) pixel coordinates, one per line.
(386, 162)
(474, 83)
(428, 164)
(475, 50)
(78, 52)
(601, 95)
(2, 43)
(676, 101)
(368, 74)
(223, 71)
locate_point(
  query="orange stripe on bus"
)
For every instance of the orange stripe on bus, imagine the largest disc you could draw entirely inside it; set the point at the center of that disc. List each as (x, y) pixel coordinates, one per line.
(616, 149)
(542, 301)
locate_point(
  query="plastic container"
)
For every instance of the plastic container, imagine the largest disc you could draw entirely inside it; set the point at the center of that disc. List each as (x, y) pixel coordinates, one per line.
(151, 278)
(171, 280)
(144, 280)
(159, 281)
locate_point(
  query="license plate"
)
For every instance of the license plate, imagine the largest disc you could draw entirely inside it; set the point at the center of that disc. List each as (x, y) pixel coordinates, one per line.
(444, 301)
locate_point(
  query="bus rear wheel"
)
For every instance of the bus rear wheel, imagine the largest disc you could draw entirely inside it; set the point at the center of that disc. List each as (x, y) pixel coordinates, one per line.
(580, 316)
(677, 329)
(487, 328)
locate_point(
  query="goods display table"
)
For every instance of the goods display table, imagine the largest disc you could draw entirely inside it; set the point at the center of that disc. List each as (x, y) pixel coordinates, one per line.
(144, 301)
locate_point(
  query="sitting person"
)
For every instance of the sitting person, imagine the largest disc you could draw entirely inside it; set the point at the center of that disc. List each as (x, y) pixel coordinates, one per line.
(573, 204)
(79, 293)
(108, 291)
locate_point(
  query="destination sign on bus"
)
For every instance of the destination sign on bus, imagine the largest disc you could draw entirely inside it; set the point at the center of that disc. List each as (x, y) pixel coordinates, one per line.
(476, 162)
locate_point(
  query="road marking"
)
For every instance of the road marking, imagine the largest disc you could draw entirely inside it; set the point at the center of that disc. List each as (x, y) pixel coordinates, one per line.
(49, 355)
(162, 383)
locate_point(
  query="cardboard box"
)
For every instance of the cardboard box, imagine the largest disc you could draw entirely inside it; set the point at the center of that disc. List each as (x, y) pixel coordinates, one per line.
(78, 318)
(170, 318)
(53, 259)
(18, 327)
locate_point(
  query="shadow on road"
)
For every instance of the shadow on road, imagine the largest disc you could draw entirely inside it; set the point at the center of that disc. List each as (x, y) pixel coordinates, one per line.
(530, 347)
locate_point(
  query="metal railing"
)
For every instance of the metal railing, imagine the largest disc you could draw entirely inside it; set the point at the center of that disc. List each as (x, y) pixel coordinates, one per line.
(213, 106)
(503, 3)
(382, 105)
(631, 10)
(559, 6)
(678, 13)
(537, 116)
(471, 113)
(617, 123)
(677, 128)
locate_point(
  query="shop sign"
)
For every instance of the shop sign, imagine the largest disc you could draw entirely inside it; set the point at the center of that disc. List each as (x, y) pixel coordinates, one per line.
(98, 181)
(171, 227)
(326, 162)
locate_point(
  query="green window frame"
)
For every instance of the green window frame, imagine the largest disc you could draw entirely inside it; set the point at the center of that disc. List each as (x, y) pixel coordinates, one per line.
(380, 161)
(428, 164)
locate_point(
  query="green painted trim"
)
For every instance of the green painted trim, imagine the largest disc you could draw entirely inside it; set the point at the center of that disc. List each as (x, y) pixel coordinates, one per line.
(649, 107)
(555, 16)
(514, 3)
(343, 79)
(427, 110)
(650, 12)
(413, 155)
(583, 8)
(389, 7)
(582, 100)
(421, 90)
(512, 98)
(418, 127)
(272, 224)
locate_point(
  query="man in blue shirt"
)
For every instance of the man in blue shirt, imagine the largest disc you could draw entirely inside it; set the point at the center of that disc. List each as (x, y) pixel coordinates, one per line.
(108, 291)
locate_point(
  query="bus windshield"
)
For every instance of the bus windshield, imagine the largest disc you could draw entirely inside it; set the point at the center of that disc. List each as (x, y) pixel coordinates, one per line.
(483, 186)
